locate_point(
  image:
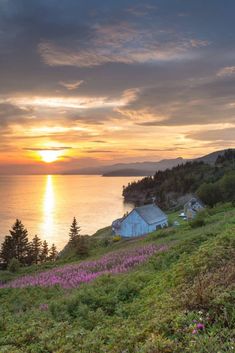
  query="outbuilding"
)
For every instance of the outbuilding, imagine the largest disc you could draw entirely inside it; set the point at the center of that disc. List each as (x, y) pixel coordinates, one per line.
(140, 221)
(192, 207)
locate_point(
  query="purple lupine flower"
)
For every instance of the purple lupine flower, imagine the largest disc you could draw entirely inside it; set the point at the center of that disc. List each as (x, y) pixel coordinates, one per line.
(71, 276)
(200, 326)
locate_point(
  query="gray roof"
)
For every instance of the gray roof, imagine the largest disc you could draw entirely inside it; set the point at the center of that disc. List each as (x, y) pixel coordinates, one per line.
(194, 201)
(151, 213)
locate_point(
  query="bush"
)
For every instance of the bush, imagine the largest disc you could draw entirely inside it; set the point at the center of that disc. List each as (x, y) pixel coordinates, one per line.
(210, 193)
(199, 220)
(14, 265)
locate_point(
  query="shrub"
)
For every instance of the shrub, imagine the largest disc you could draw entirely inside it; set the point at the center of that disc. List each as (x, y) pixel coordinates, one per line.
(199, 220)
(210, 193)
(14, 265)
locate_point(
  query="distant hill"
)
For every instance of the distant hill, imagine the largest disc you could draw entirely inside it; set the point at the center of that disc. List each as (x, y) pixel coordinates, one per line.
(147, 168)
(129, 169)
(128, 172)
(212, 157)
(170, 185)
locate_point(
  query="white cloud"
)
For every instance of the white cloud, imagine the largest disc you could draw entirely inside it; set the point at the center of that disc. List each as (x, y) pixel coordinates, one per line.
(80, 102)
(226, 71)
(72, 85)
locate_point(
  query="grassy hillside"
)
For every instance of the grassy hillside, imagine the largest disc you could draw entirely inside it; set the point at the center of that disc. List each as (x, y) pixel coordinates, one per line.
(179, 300)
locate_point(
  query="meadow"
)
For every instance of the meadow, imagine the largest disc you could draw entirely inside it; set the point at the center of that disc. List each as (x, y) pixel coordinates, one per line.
(171, 291)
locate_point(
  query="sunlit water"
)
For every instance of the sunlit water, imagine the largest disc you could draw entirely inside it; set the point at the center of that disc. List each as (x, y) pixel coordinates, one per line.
(47, 204)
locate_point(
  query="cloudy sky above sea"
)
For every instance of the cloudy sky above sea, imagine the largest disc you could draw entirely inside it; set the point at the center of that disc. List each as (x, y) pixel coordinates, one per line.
(86, 83)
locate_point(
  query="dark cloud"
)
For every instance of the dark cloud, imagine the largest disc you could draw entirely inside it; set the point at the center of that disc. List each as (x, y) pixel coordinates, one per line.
(192, 102)
(86, 72)
(227, 134)
(10, 113)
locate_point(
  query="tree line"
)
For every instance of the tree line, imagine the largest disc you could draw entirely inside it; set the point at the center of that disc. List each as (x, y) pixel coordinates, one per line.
(167, 186)
(16, 246)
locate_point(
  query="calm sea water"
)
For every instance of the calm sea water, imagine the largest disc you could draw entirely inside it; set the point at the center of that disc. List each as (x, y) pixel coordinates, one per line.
(47, 204)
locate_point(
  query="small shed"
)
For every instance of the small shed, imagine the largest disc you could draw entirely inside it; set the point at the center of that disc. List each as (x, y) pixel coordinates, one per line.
(141, 220)
(192, 207)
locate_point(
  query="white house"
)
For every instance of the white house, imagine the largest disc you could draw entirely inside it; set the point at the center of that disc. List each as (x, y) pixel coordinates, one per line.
(192, 207)
(141, 220)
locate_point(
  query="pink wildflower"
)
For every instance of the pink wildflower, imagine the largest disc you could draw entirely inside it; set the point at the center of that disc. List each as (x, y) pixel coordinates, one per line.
(71, 276)
(200, 326)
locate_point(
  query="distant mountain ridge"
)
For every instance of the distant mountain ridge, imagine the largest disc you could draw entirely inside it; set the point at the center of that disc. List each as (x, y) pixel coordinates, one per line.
(136, 169)
(142, 168)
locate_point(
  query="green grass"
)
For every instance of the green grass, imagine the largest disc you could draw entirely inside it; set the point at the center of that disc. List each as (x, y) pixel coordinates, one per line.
(151, 309)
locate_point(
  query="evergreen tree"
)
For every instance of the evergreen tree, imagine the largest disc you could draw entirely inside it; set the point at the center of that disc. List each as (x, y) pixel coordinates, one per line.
(44, 251)
(20, 242)
(82, 246)
(74, 232)
(53, 253)
(35, 249)
(7, 250)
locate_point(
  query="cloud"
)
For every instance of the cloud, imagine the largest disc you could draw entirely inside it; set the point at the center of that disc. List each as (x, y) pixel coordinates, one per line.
(141, 9)
(98, 151)
(78, 102)
(226, 134)
(182, 103)
(72, 85)
(122, 43)
(47, 149)
(11, 113)
(226, 71)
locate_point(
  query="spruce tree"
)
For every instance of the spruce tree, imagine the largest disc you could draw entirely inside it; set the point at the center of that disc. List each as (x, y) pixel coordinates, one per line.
(20, 242)
(53, 253)
(35, 249)
(74, 232)
(7, 250)
(44, 251)
(82, 246)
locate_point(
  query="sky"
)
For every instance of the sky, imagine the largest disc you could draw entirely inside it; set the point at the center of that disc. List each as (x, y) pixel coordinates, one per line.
(88, 83)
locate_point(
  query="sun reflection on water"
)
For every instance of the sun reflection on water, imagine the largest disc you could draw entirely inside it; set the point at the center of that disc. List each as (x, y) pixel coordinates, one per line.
(49, 206)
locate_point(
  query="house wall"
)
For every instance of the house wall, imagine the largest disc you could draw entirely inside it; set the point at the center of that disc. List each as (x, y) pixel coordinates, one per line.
(134, 225)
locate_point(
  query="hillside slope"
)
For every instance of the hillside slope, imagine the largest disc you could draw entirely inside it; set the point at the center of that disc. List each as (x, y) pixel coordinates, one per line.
(178, 300)
(169, 186)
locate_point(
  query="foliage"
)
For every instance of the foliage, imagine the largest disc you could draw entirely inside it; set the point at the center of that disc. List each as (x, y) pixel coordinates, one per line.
(169, 185)
(35, 249)
(74, 232)
(178, 300)
(221, 191)
(17, 246)
(14, 265)
(199, 220)
(78, 244)
(53, 253)
(73, 275)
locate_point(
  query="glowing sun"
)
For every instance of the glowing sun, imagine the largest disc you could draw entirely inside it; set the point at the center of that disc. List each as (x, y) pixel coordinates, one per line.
(49, 156)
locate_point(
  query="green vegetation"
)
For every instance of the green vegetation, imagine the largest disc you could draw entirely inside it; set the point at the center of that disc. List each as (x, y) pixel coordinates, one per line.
(220, 191)
(17, 247)
(213, 182)
(181, 300)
